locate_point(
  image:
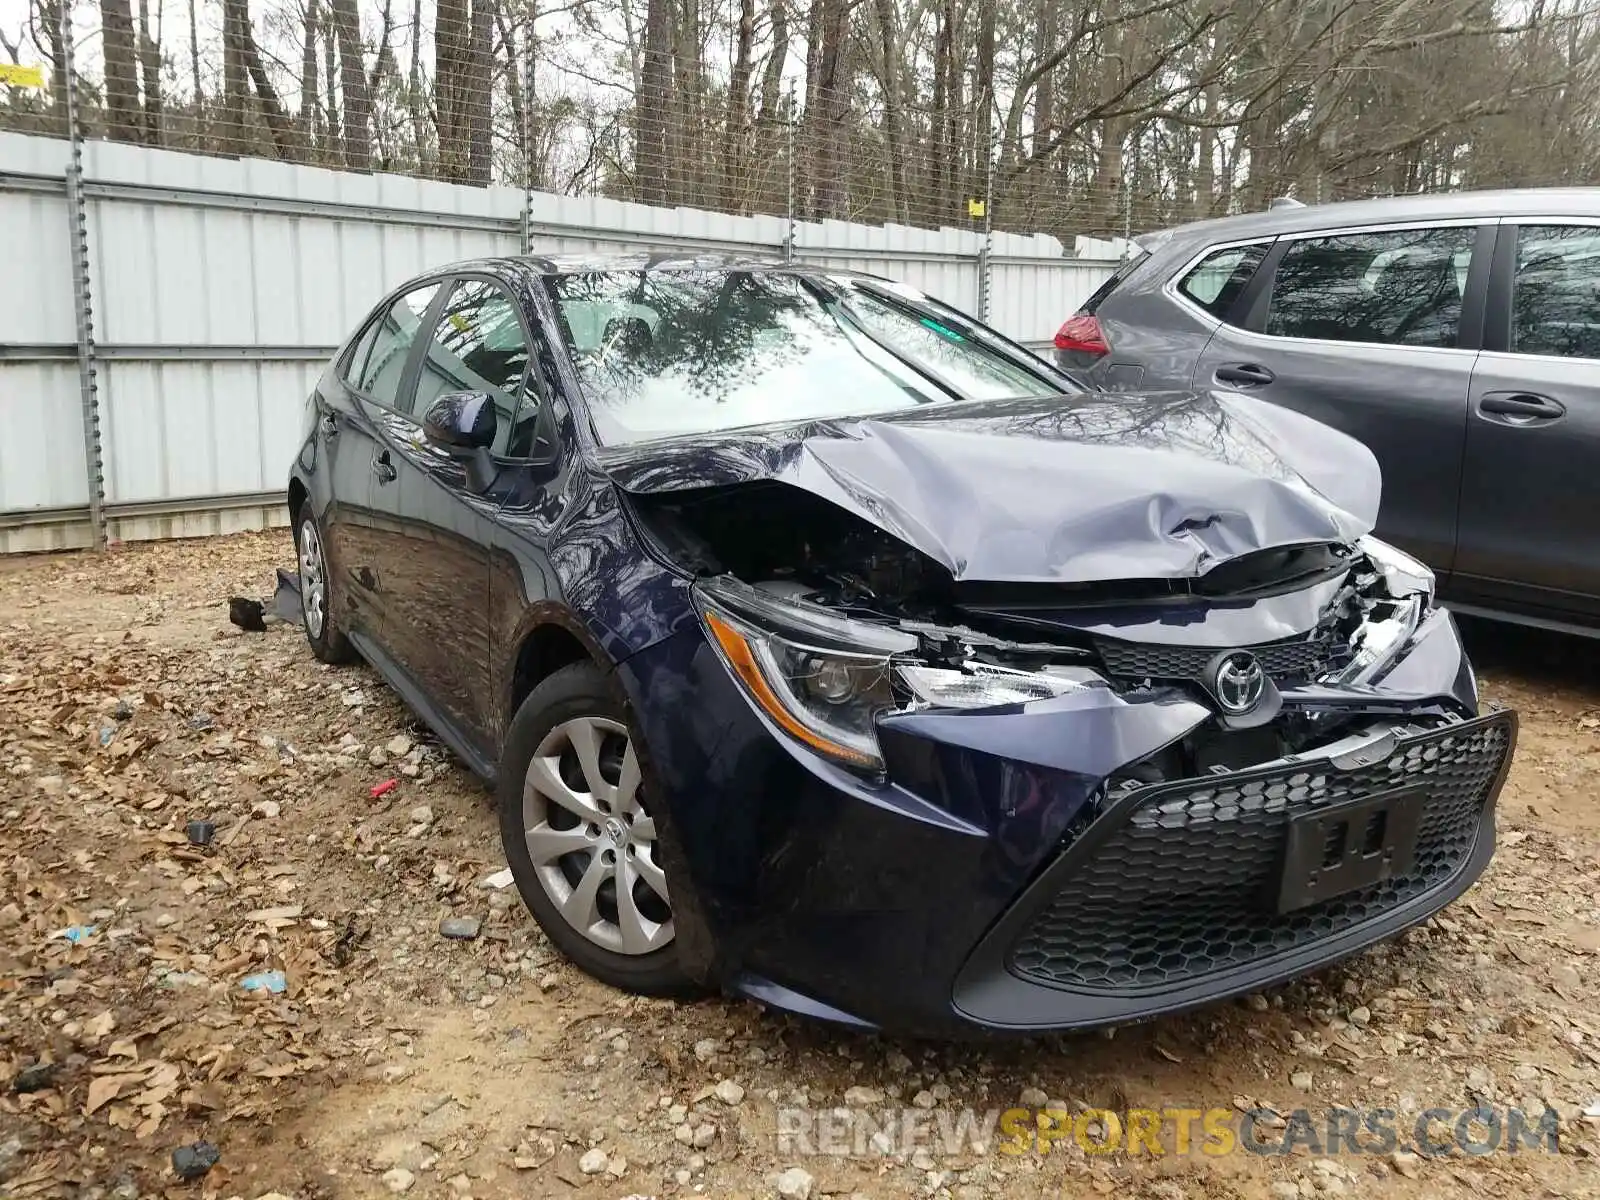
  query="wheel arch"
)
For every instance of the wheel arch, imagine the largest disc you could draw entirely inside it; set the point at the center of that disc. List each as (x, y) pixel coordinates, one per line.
(550, 637)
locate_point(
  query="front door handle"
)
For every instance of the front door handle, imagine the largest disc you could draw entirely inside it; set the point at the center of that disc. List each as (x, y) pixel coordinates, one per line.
(383, 468)
(1521, 407)
(329, 427)
(1244, 375)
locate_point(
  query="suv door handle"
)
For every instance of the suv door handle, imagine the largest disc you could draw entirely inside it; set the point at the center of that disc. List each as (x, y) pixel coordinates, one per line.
(1244, 375)
(383, 468)
(1525, 405)
(329, 427)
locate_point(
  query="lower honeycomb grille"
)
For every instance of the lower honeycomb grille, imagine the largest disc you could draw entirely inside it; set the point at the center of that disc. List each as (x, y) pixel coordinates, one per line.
(1184, 888)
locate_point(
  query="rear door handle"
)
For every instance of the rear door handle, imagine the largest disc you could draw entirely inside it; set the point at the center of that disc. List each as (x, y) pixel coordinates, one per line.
(383, 468)
(1244, 375)
(1525, 405)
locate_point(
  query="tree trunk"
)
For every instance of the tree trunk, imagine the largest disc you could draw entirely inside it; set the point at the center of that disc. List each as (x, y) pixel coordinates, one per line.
(899, 208)
(308, 82)
(123, 120)
(480, 93)
(450, 34)
(738, 119)
(414, 99)
(271, 107)
(234, 18)
(353, 80)
(1205, 178)
(194, 66)
(330, 81)
(519, 113)
(150, 73)
(655, 98)
(689, 153)
(772, 160)
(1044, 94)
(834, 84)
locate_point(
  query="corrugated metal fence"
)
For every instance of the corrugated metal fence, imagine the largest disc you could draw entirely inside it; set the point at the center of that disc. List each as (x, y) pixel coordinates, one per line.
(219, 287)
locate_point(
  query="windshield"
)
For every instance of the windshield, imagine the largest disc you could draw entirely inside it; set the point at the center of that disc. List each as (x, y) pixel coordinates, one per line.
(660, 353)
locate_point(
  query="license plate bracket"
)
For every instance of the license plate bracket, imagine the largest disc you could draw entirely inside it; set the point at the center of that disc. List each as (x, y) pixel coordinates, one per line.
(1345, 847)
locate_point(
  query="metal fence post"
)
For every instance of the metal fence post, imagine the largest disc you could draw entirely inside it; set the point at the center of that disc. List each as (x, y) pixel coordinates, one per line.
(82, 297)
(985, 252)
(788, 136)
(527, 141)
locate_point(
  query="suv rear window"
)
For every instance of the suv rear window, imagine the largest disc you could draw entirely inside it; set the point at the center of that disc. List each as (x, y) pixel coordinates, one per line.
(1105, 289)
(1217, 280)
(1395, 288)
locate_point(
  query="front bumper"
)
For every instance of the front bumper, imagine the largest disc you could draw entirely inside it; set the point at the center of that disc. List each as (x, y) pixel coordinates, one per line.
(988, 884)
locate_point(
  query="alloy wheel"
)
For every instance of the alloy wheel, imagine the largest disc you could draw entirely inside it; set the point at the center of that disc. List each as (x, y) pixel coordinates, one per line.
(592, 843)
(313, 578)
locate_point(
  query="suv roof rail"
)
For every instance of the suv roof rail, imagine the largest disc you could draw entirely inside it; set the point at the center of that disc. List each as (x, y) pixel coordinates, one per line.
(1285, 202)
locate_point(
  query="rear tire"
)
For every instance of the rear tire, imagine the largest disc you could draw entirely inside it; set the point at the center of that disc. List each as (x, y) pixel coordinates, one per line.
(579, 838)
(318, 606)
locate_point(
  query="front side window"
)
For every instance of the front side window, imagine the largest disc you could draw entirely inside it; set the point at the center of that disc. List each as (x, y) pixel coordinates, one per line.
(392, 338)
(1219, 278)
(1398, 288)
(478, 345)
(1555, 298)
(660, 353)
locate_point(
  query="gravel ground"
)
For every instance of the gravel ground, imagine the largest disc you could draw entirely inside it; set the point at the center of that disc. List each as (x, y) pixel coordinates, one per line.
(397, 1060)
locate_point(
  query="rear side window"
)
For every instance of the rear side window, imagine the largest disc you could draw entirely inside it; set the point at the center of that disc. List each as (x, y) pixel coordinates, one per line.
(1105, 289)
(391, 339)
(1398, 288)
(1217, 280)
(1555, 301)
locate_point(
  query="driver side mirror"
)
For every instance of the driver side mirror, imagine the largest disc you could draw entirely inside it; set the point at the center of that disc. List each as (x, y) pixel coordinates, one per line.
(460, 423)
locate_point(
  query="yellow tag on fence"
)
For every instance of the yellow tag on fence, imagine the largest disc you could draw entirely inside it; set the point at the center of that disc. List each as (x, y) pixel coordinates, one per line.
(19, 76)
(975, 209)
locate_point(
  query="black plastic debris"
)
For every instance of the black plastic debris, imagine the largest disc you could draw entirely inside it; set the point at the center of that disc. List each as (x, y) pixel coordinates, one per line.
(200, 832)
(34, 1078)
(194, 1160)
(123, 711)
(247, 614)
(286, 600)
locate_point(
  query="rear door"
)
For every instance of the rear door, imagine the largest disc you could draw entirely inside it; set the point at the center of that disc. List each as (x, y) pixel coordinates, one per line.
(1374, 332)
(370, 377)
(1530, 495)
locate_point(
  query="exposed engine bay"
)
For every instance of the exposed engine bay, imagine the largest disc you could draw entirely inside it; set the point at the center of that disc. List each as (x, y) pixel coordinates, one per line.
(793, 544)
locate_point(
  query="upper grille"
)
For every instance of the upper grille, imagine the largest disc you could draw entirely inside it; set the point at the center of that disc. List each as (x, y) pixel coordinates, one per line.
(1184, 888)
(1299, 658)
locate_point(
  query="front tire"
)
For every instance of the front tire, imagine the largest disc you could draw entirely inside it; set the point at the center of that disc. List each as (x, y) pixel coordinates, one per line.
(318, 612)
(579, 837)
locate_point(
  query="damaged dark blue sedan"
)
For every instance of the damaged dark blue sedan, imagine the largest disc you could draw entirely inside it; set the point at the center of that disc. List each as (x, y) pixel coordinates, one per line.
(826, 648)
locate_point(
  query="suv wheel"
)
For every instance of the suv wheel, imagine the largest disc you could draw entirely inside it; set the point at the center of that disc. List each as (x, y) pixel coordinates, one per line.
(579, 838)
(317, 608)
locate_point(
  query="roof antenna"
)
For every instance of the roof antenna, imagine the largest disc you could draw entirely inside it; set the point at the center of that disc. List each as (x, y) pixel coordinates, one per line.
(1284, 202)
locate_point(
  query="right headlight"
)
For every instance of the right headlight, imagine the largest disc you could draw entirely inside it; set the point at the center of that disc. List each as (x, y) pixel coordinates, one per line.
(824, 679)
(1402, 574)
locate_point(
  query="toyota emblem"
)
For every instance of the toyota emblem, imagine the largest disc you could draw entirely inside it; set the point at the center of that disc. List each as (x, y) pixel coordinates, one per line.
(1237, 681)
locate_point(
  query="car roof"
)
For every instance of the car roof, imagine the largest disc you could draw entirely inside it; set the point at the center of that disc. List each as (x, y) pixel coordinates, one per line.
(645, 260)
(1438, 206)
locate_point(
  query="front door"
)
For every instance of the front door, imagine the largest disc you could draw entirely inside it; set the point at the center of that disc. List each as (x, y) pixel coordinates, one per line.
(1371, 333)
(1530, 491)
(438, 514)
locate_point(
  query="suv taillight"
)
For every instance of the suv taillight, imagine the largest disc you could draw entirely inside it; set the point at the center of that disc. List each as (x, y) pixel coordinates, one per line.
(1081, 335)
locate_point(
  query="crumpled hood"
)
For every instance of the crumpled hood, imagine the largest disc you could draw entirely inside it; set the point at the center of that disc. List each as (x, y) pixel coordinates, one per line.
(1062, 489)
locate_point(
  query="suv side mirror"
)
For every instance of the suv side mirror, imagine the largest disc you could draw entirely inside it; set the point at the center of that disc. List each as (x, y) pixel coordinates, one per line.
(460, 422)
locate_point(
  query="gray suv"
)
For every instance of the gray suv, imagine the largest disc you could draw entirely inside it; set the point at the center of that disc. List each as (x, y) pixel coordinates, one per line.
(1458, 336)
